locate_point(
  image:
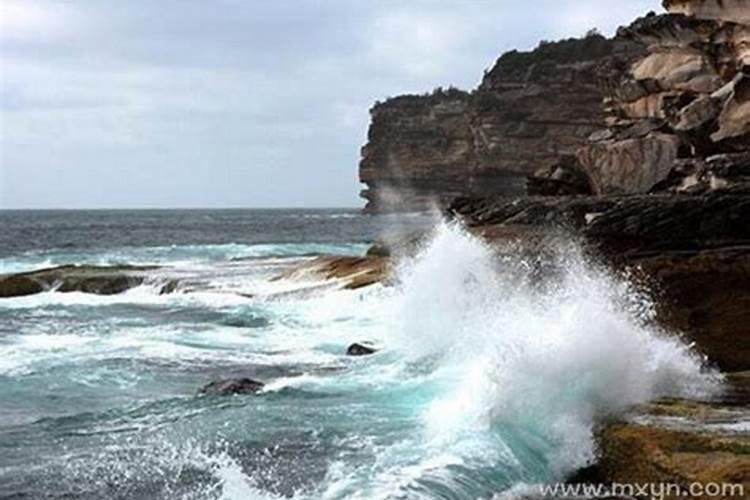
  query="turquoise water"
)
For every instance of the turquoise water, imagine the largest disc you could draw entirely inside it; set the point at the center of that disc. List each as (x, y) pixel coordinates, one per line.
(487, 381)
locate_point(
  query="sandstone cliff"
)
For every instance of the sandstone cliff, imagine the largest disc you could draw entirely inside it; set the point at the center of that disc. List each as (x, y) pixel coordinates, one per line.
(531, 109)
(647, 110)
(686, 101)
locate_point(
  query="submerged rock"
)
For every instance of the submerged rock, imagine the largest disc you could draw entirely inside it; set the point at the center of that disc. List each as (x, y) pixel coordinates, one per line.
(357, 349)
(100, 280)
(231, 386)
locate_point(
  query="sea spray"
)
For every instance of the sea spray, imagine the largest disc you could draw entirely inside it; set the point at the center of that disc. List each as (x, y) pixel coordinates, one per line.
(539, 360)
(494, 366)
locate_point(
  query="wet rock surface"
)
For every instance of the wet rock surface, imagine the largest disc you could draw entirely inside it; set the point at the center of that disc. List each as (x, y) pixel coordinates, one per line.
(100, 280)
(358, 349)
(350, 272)
(231, 386)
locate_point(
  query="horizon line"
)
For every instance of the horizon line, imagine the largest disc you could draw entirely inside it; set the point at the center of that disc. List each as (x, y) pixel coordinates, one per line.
(291, 207)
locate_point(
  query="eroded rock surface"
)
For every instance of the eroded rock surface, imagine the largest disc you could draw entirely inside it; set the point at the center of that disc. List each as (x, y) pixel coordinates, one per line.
(531, 109)
(641, 111)
(686, 100)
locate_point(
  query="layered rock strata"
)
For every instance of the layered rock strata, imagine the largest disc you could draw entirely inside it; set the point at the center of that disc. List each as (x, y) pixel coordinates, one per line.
(650, 109)
(531, 109)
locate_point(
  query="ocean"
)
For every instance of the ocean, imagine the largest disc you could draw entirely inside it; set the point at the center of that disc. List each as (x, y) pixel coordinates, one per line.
(488, 380)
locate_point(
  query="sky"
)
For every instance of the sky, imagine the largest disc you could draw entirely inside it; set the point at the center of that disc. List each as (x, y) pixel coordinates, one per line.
(235, 103)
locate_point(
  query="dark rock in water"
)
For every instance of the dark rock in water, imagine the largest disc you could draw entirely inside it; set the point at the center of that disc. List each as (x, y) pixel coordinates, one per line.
(231, 386)
(100, 280)
(169, 287)
(17, 285)
(360, 350)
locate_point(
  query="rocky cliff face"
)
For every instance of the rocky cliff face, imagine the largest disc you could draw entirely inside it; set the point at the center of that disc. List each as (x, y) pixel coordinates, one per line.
(647, 110)
(531, 109)
(681, 104)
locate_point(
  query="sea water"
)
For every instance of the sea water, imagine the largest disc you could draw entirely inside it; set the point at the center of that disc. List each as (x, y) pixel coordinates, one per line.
(489, 378)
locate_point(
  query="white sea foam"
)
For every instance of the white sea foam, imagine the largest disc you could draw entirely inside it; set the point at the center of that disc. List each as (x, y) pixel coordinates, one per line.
(508, 356)
(547, 356)
(485, 366)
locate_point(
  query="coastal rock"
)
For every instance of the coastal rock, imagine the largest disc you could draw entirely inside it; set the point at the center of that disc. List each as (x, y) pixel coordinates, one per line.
(728, 10)
(667, 90)
(734, 120)
(624, 226)
(729, 173)
(564, 178)
(706, 296)
(693, 251)
(351, 272)
(692, 83)
(358, 349)
(100, 280)
(678, 443)
(531, 109)
(231, 386)
(632, 165)
(19, 285)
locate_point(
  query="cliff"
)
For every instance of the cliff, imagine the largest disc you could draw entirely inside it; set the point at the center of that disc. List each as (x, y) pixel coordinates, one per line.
(531, 109)
(646, 110)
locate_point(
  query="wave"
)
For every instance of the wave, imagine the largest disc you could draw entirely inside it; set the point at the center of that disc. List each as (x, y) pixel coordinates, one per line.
(173, 255)
(491, 375)
(504, 373)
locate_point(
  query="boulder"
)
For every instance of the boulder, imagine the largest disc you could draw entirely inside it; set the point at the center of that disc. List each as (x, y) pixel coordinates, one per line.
(357, 349)
(631, 164)
(734, 120)
(231, 386)
(564, 178)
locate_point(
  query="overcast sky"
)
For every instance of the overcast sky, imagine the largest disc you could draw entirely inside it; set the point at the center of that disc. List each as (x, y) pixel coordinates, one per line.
(235, 103)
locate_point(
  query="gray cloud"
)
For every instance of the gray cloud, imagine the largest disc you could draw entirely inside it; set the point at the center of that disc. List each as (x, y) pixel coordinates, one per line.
(234, 103)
